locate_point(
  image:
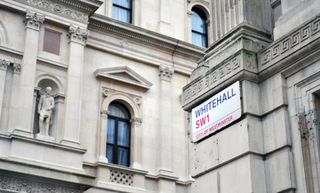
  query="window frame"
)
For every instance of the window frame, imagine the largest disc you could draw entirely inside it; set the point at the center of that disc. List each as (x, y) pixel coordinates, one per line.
(125, 8)
(115, 157)
(203, 16)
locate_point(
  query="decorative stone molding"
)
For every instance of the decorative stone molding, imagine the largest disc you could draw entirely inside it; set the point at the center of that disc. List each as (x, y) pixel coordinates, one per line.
(77, 34)
(107, 92)
(289, 44)
(33, 20)
(4, 64)
(17, 68)
(77, 10)
(121, 177)
(14, 184)
(165, 73)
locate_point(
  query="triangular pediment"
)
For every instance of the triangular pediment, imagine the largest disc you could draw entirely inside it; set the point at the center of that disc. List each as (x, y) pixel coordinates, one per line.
(123, 74)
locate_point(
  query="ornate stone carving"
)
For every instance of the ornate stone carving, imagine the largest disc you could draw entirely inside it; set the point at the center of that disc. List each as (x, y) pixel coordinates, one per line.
(14, 184)
(4, 64)
(33, 20)
(304, 126)
(17, 68)
(58, 9)
(287, 45)
(77, 34)
(165, 73)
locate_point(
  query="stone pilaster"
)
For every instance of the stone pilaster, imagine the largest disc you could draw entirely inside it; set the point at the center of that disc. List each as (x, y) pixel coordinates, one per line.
(3, 69)
(136, 142)
(77, 39)
(165, 161)
(165, 17)
(24, 112)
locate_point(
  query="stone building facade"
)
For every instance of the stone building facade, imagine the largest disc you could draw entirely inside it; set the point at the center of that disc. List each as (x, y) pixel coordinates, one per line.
(124, 77)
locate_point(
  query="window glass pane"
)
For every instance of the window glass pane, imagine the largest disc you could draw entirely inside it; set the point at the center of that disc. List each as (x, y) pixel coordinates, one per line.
(121, 14)
(123, 3)
(123, 134)
(118, 110)
(198, 23)
(199, 39)
(110, 153)
(111, 131)
(123, 156)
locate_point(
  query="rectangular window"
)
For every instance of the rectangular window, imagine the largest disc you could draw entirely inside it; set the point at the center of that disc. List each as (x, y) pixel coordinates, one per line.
(51, 42)
(121, 10)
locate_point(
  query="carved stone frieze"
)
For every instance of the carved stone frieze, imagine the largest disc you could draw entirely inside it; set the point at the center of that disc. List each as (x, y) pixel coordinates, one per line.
(34, 20)
(77, 34)
(57, 8)
(13, 184)
(4, 64)
(212, 78)
(165, 73)
(290, 43)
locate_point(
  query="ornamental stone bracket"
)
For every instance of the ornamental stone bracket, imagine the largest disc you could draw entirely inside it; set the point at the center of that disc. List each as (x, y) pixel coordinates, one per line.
(33, 20)
(77, 34)
(240, 66)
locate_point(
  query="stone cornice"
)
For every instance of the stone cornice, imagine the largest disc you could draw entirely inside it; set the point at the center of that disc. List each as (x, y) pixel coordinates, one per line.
(145, 37)
(78, 10)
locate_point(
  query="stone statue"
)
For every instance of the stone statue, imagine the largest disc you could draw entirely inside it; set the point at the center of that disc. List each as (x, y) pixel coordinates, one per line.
(45, 108)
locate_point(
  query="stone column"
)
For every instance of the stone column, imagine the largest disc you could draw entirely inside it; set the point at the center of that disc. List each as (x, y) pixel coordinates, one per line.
(3, 69)
(77, 39)
(136, 142)
(24, 112)
(165, 165)
(102, 137)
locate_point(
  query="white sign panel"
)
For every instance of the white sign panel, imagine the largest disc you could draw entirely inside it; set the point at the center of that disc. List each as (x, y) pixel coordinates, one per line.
(217, 112)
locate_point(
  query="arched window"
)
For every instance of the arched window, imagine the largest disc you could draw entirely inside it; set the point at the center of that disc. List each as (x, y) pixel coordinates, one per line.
(199, 28)
(121, 10)
(118, 134)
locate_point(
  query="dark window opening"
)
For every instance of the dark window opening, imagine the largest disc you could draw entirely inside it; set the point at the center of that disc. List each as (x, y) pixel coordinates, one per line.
(118, 135)
(199, 28)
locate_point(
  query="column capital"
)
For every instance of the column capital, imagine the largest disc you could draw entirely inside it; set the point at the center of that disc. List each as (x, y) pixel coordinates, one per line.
(33, 20)
(17, 68)
(136, 121)
(4, 64)
(165, 73)
(77, 34)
